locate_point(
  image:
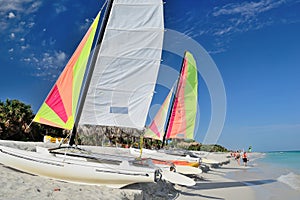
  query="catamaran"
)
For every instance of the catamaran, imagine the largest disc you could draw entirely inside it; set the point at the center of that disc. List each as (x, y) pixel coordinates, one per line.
(110, 83)
(179, 123)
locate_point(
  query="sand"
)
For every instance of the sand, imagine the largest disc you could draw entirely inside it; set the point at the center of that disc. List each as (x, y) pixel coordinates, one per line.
(211, 185)
(215, 185)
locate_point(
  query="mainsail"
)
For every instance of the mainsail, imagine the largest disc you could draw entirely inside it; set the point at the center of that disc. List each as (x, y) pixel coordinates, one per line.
(156, 130)
(124, 76)
(59, 108)
(126, 69)
(184, 109)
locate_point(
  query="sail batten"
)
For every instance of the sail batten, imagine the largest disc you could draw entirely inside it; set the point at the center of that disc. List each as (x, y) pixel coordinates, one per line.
(128, 60)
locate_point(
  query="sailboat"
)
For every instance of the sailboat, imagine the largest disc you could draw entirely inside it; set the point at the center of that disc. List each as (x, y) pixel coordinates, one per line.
(180, 123)
(111, 84)
(182, 118)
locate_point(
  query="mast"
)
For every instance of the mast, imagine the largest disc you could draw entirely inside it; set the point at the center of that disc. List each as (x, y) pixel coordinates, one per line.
(90, 72)
(173, 100)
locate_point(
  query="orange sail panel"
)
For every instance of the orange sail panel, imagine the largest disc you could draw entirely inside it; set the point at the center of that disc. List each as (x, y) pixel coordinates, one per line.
(60, 106)
(156, 130)
(184, 110)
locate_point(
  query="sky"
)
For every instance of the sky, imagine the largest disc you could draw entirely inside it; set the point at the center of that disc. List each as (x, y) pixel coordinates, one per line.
(255, 46)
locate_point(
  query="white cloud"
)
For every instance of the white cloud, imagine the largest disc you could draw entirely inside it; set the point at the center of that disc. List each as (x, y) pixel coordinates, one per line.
(30, 25)
(244, 16)
(216, 51)
(22, 6)
(60, 56)
(59, 8)
(227, 20)
(23, 47)
(248, 8)
(12, 36)
(11, 15)
(85, 26)
(27, 59)
(17, 10)
(11, 50)
(49, 65)
(224, 30)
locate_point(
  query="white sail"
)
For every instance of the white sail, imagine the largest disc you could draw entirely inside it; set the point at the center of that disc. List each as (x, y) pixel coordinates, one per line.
(125, 74)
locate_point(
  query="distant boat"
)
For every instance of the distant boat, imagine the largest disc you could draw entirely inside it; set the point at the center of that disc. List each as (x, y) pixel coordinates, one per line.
(111, 85)
(180, 123)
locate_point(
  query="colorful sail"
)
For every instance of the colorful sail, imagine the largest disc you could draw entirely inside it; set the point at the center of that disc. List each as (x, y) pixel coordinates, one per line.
(156, 130)
(184, 108)
(60, 106)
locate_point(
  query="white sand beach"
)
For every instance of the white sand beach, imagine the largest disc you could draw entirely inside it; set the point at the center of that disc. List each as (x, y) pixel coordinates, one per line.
(213, 184)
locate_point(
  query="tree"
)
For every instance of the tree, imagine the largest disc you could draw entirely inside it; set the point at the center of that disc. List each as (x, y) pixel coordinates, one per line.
(15, 117)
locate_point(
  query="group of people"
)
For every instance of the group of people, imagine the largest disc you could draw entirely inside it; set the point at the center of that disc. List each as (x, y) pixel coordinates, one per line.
(238, 155)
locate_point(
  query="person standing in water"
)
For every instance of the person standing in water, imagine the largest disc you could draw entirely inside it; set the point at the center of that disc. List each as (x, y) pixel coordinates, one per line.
(237, 157)
(245, 159)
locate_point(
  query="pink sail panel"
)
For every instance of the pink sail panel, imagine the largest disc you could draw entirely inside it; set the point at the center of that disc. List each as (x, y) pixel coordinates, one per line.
(55, 102)
(184, 110)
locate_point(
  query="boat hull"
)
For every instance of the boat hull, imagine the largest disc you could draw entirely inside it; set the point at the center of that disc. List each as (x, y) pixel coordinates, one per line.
(75, 170)
(161, 158)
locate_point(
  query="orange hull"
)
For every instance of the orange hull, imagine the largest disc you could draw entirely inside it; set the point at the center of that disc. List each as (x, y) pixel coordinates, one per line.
(176, 162)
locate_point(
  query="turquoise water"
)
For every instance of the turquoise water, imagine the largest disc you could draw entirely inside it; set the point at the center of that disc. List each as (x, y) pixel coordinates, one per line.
(272, 175)
(290, 160)
(286, 164)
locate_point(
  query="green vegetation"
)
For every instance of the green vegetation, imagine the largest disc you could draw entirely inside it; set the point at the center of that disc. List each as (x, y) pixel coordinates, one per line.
(195, 146)
(15, 116)
(210, 148)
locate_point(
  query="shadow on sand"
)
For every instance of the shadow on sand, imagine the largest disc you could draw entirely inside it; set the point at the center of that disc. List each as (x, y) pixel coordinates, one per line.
(217, 185)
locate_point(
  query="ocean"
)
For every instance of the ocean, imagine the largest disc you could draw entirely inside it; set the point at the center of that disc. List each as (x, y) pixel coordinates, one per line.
(272, 175)
(286, 164)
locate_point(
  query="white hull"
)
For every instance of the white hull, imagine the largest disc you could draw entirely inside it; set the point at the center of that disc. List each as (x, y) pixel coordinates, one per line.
(147, 153)
(76, 170)
(185, 170)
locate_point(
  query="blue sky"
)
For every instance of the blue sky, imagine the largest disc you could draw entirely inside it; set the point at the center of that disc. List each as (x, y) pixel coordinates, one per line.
(254, 44)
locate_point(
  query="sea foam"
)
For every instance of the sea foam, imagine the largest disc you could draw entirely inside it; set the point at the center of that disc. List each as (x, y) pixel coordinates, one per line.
(291, 179)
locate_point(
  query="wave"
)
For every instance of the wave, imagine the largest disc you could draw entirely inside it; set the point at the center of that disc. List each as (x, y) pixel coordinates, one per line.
(254, 156)
(291, 179)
